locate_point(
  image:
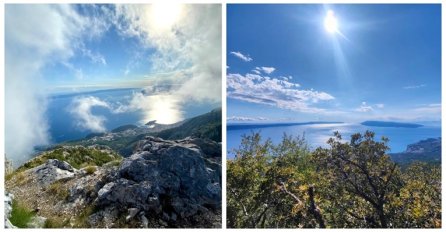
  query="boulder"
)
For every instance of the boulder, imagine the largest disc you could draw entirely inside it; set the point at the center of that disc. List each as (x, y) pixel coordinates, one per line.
(52, 170)
(170, 180)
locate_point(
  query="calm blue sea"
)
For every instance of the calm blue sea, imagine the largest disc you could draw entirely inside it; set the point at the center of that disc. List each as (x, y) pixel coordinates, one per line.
(63, 125)
(318, 134)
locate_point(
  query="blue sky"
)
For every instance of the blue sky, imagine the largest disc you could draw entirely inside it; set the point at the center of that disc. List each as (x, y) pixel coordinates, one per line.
(172, 51)
(382, 62)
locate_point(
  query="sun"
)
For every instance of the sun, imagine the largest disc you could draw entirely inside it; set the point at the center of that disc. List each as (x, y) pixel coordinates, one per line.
(331, 22)
(165, 15)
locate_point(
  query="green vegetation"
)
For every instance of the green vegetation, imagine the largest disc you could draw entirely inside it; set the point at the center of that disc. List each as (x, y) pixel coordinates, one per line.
(123, 128)
(114, 163)
(78, 157)
(204, 126)
(348, 185)
(90, 169)
(56, 223)
(82, 218)
(20, 215)
(59, 189)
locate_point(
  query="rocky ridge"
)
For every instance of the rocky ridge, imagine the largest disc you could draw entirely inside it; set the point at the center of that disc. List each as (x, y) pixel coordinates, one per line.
(162, 184)
(428, 150)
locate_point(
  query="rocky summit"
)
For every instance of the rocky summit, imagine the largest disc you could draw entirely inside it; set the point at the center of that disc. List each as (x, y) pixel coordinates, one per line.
(164, 183)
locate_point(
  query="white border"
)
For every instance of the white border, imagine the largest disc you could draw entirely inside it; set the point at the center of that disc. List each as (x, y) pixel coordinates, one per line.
(223, 2)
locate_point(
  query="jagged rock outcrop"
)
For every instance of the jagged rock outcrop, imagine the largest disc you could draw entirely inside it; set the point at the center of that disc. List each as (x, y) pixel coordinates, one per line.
(51, 171)
(168, 180)
(163, 184)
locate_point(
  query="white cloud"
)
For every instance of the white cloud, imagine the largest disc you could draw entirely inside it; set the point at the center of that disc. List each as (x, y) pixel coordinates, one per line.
(96, 58)
(186, 47)
(256, 71)
(429, 109)
(414, 86)
(245, 58)
(273, 91)
(267, 70)
(364, 108)
(41, 35)
(287, 78)
(244, 119)
(380, 105)
(81, 108)
(35, 36)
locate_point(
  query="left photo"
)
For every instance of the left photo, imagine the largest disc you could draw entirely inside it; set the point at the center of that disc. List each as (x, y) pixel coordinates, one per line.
(113, 116)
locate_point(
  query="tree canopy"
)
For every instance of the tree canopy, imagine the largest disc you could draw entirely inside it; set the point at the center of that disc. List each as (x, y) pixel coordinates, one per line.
(351, 184)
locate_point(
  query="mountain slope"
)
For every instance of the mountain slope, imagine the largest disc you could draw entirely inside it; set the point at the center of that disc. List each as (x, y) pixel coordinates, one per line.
(203, 126)
(428, 151)
(124, 138)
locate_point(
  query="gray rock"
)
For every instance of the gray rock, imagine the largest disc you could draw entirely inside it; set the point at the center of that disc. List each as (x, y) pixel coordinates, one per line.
(51, 171)
(171, 180)
(144, 221)
(9, 225)
(8, 209)
(36, 222)
(131, 213)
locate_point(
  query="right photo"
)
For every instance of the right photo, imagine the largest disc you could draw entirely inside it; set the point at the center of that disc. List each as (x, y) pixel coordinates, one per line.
(333, 116)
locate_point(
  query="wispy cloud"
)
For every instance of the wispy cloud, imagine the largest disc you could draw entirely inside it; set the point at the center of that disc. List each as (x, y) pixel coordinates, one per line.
(434, 108)
(267, 70)
(380, 105)
(414, 86)
(256, 71)
(243, 57)
(364, 107)
(96, 58)
(81, 108)
(273, 91)
(245, 119)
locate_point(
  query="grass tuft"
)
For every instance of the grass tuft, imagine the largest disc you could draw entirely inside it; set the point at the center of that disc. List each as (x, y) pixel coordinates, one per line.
(20, 215)
(90, 169)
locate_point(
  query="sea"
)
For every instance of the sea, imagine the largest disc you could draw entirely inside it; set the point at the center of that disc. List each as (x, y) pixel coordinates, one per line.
(317, 135)
(63, 126)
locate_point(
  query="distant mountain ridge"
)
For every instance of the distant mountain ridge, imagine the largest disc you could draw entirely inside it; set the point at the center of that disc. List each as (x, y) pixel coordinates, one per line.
(243, 126)
(428, 150)
(123, 139)
(390, 124)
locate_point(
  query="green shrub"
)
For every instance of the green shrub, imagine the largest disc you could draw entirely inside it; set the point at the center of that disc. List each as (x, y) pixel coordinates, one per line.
(90, 169)
(20, 215)
(55, 223)
(78, 157)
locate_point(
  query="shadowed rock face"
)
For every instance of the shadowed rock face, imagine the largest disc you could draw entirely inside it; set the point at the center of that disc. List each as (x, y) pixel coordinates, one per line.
(166, 179)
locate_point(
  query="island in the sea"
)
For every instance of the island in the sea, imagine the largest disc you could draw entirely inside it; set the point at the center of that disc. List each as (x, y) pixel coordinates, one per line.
(244, 126)
(390, 124)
